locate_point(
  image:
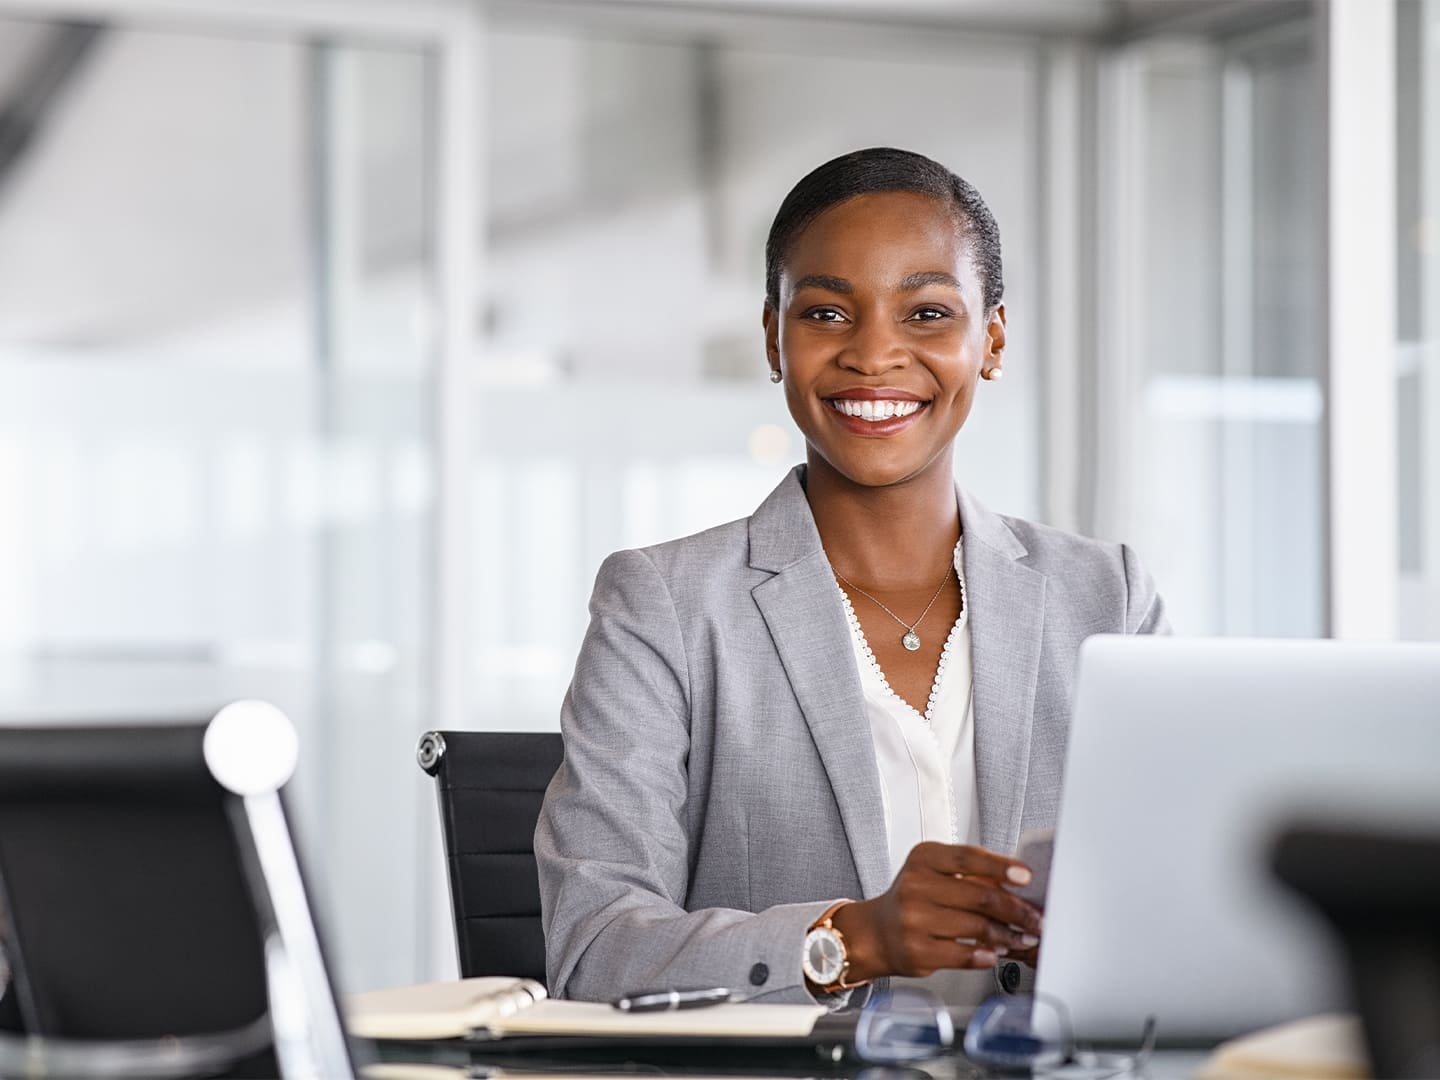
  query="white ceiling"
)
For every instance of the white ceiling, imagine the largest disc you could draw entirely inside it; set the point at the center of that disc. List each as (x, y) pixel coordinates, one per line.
(1071, 15)
(165, 185)
(1047, 17)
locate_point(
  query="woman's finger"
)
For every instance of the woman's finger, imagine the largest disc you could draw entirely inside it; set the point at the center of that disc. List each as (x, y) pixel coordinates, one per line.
(987, 898)
(947, 953)
(982, 895)
(967, 860)
(942, 922)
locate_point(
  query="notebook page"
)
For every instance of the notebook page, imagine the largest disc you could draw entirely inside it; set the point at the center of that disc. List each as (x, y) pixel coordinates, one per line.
(717, 1021)
(443, 1010)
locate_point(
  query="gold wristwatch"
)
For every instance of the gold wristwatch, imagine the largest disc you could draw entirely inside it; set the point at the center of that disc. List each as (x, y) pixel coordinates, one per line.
(824, 960)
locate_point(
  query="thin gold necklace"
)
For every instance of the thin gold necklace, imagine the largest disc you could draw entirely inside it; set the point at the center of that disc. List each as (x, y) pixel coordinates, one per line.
(911, 640)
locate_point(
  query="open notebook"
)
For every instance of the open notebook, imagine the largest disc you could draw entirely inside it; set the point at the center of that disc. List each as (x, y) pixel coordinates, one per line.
(499, 1007)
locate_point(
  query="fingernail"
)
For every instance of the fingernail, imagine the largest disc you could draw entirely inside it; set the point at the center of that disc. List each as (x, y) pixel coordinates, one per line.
(1029, 941)
(1002, 950)
(985, 957)
(1019, 875)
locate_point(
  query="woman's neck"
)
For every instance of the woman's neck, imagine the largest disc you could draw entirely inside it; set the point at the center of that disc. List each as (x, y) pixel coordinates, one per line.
(889, 537)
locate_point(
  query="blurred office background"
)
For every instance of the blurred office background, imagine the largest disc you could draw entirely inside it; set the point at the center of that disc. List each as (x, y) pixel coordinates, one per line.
(339, 343)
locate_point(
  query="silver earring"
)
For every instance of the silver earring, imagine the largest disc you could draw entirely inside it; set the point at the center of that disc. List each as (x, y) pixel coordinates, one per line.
(775, 375)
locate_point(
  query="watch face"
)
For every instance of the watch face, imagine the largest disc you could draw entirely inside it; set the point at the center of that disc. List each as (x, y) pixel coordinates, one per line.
(824, 957)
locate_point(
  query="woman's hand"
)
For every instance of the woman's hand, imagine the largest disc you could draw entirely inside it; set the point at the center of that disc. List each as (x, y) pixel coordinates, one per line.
(948, 908)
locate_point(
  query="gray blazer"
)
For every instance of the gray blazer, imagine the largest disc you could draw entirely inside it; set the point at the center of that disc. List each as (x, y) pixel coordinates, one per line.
(719, 788)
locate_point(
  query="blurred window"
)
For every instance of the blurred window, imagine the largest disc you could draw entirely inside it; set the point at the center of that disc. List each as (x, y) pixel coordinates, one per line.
(1217, 321)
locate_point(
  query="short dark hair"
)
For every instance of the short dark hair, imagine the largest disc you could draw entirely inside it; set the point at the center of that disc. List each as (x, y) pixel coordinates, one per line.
(878, 169)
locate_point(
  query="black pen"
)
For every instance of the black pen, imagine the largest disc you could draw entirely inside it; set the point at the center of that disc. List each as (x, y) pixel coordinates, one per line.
(665, 1000)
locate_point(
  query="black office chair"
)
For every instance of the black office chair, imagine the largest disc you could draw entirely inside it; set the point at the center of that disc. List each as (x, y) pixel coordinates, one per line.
(152, 901)
(111, 937)
(490, 785)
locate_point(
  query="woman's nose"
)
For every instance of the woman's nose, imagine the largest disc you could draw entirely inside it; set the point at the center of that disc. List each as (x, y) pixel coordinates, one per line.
(874, 348)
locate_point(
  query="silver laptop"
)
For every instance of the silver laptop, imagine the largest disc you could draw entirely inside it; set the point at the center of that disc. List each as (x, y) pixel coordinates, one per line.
(1186, 756)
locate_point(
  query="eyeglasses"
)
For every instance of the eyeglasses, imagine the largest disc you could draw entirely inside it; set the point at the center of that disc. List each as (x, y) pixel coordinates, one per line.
(1008, 1033)
(902, 1025)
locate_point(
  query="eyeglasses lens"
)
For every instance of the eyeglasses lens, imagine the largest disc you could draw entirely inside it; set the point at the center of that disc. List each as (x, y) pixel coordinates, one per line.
(901, 1025)
(1017, 1033)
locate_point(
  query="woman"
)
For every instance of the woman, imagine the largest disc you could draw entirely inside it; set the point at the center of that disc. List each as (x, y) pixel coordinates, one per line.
(801, 748)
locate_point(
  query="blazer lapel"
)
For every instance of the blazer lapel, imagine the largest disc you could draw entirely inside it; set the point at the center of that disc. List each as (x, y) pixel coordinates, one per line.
(1007, 616)
(802, 611)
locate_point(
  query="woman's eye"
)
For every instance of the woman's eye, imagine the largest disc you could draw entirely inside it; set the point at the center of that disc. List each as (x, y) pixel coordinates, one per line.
(823, 315)
(930, 314)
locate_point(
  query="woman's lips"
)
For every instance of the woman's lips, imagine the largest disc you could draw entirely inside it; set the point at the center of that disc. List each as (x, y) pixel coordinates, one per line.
(875, 416)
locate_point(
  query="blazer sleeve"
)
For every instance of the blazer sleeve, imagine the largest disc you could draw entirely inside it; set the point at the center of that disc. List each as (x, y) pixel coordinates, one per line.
(1144, 608)
(612, 844)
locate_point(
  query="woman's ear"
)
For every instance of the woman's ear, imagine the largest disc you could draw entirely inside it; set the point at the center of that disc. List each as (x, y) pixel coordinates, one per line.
(995, 337)
(771, 322)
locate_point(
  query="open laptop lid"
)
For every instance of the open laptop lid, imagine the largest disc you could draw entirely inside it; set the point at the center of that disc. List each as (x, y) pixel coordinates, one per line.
(1186, 757)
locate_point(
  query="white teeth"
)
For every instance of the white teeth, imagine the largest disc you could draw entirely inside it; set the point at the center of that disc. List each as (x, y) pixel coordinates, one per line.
(874, 410)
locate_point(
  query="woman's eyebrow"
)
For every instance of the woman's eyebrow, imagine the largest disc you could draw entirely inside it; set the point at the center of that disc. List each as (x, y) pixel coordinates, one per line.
(929, 277)
(824, 281)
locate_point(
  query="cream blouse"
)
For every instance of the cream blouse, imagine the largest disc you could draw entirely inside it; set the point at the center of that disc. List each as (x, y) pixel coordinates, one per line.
(927, 763)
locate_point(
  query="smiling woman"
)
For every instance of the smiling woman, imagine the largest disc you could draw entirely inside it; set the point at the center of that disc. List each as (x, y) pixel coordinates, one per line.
(801, 748)
(884, 328)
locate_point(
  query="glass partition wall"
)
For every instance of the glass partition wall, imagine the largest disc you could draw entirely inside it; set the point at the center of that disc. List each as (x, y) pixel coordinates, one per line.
(1210, 439)
(1418, 360)
(216, 364)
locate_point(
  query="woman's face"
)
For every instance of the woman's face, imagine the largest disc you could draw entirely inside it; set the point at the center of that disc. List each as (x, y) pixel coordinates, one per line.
(881, 335)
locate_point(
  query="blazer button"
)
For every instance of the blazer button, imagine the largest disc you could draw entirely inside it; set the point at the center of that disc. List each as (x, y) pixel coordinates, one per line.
(758, 974)
(1009, 977)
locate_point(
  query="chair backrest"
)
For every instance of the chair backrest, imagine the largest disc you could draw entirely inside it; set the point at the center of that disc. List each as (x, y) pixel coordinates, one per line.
(154, 911)
(124, 886)
(490, 786)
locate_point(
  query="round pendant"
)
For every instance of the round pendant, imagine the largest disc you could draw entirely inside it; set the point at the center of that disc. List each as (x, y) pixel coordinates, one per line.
(911, 641)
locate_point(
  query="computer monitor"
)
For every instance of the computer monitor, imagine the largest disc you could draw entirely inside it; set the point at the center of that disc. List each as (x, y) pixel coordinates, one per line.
(153, 900)
(1186, 758)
